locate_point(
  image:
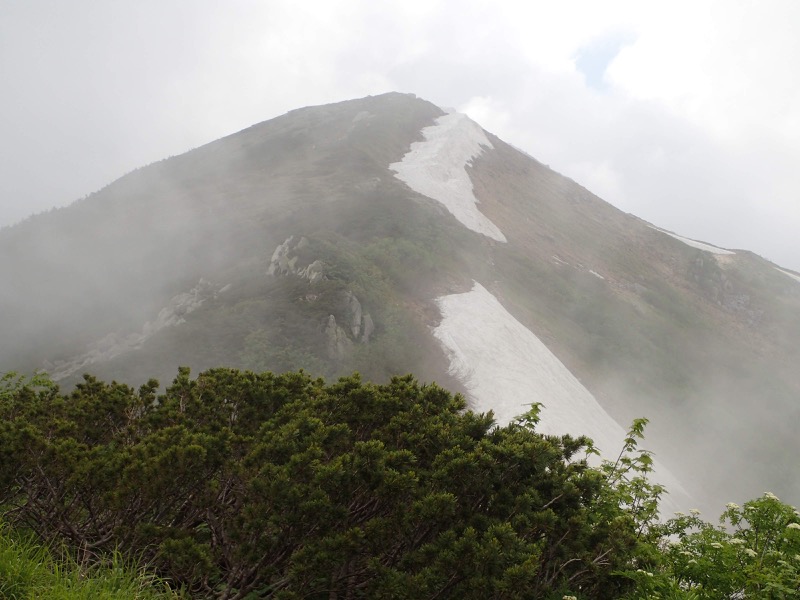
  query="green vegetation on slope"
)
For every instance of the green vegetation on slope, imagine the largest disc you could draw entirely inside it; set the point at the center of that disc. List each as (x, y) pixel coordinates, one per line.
(245, 485)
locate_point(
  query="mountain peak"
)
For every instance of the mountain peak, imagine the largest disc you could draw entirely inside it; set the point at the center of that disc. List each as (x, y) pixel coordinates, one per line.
(346, 236)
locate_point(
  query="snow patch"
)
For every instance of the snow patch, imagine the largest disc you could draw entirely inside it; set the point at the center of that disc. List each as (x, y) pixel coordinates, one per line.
(506, 368)
(694, 243)
(792, 275)
(436, 168)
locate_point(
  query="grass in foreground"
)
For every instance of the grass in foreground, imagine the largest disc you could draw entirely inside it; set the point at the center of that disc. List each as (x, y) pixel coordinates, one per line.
(29, 570)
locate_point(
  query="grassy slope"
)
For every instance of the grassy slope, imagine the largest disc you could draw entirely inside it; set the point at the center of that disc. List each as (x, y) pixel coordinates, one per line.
(329, 184)
(662, 334)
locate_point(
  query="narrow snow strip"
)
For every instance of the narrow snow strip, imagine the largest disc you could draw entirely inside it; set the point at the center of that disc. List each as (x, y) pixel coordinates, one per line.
(505, 368)
(792, 275)
(436, 168)
(695, 243)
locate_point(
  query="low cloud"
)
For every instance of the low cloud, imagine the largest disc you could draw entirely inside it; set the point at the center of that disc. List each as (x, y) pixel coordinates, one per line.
(687, 115)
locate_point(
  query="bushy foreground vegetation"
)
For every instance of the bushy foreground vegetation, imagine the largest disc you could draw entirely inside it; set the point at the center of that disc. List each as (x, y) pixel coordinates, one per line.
(244, 485)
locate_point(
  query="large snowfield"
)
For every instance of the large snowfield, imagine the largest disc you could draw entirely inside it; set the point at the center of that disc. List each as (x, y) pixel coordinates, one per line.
(506, 368)
(436, 168)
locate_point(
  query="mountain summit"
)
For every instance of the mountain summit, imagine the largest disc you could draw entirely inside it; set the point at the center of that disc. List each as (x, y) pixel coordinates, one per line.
(385, 235)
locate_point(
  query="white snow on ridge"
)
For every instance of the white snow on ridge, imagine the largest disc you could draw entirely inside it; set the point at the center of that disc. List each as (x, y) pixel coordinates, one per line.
(436, 168)
(792, 275)
(695, 243)
(505, 368)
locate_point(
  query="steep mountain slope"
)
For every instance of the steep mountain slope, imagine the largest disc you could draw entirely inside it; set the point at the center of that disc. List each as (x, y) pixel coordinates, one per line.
(339, 238)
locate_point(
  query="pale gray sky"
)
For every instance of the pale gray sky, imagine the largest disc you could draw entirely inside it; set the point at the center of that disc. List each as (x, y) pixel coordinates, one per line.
(685, 113)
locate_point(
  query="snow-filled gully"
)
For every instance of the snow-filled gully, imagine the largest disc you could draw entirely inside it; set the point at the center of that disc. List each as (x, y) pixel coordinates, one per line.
(437, 166)
(506, 368)
(503, 365)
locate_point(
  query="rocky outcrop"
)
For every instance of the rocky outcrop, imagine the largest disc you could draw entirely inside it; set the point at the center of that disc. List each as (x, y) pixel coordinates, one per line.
(353, 313)
(286, 261)
(368, 328)
(338, 343)
(115, 344)
(356, 324)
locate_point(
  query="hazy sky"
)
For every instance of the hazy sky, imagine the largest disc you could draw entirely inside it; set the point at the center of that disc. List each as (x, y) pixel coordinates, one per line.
(684, 113)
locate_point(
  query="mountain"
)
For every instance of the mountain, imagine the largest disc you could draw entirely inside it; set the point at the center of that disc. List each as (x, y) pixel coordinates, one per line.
(385, 235)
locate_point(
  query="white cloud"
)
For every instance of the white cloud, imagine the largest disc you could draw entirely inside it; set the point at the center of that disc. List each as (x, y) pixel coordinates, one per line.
(697, 128)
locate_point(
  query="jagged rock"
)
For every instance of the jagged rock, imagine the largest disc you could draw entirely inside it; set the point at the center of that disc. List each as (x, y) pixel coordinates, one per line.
(313, 272)
(338, 344)
(353, 313)
(285, 261)
(358, 322)
(369, 328)
(277, 263)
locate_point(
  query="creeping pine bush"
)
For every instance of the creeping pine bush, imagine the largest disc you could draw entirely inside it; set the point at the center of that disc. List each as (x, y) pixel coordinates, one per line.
(244, 485)
(238, 483)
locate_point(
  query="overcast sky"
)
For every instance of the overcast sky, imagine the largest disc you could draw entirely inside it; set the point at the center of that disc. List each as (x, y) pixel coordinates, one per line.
(685, 113)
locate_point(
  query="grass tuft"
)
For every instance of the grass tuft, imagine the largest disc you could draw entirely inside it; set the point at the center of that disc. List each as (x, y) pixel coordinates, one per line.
(29, 570)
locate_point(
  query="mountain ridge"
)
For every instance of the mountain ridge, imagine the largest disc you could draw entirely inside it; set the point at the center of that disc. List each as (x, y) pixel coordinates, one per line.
(649, 325)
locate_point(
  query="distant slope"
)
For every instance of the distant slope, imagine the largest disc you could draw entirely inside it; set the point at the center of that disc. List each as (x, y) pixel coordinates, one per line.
(281, 246)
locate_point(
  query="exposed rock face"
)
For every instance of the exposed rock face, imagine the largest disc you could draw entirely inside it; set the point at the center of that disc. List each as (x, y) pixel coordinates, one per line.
(338, 344)
(357, 324)
(352, 309)
(285, 261)
(368, 327)
(115, 344)
(358, 321)
(313, 272)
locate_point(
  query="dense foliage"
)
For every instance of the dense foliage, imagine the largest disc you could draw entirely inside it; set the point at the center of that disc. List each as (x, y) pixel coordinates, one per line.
(244, 485)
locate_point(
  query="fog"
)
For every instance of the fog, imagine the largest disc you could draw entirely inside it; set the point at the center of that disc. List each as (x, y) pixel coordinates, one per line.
(699, 137)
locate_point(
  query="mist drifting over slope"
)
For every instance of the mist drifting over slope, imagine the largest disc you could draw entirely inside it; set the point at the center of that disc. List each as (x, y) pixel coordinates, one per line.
(701, 342)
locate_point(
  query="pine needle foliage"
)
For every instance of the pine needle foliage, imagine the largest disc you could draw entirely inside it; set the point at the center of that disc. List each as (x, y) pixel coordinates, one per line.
(242, 485)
